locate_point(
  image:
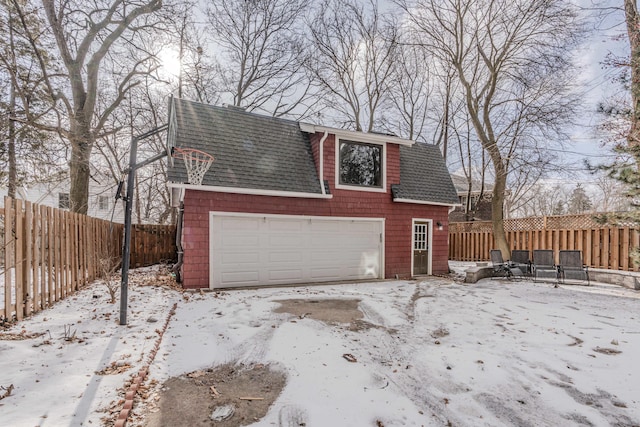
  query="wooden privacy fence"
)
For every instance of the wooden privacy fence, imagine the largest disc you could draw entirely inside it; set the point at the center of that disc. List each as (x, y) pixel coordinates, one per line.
(602, 246)
(48, 254)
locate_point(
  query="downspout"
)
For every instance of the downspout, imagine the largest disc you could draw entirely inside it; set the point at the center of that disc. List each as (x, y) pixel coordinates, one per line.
(177, 268)
(321, 174)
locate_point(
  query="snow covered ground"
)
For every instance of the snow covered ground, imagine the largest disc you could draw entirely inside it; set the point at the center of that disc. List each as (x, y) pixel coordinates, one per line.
(435, 352)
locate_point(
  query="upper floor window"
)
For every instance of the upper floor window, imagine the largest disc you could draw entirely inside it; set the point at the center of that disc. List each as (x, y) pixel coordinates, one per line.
(63, 200)
(361, 164)
(103, 203)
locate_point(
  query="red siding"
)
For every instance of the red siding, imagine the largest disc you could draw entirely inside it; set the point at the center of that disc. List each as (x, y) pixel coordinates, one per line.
(345, 203)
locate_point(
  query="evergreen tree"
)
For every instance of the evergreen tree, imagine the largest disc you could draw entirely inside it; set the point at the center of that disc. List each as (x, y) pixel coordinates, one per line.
(558, 208)
(579, 202)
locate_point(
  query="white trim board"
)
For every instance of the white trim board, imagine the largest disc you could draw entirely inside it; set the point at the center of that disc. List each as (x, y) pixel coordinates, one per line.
(250, 191)
(424, 202)
(375, 138)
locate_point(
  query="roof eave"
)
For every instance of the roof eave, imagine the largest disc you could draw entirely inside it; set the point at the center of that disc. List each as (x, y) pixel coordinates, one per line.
(250, 191)
(359, 136)
(424, 202)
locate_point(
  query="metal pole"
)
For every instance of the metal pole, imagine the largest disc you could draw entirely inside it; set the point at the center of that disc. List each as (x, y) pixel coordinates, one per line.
(126, 251)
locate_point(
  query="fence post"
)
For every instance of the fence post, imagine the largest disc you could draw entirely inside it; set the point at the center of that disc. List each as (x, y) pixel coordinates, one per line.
(9, 255)
(19, 259)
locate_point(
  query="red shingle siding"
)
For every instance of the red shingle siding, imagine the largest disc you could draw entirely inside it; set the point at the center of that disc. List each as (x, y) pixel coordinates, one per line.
(345, 203)
(315, 150)
(393, 164)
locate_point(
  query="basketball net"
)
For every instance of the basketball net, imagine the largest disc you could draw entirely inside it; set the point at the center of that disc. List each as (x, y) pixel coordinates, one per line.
(196, 163)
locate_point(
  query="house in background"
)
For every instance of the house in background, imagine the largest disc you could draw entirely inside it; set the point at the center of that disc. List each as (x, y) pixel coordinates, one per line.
(474, 203)
(287, 202)
(55, 193)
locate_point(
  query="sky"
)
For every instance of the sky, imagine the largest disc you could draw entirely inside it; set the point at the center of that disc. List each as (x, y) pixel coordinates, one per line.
(607, 36)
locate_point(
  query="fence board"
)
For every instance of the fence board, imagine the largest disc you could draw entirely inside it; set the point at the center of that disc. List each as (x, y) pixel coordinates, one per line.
(35, 266)
(9, 253)
(602, 247)
(19, 260)
(57, 260)
(50, 257)
(28, 258)
(50, 253)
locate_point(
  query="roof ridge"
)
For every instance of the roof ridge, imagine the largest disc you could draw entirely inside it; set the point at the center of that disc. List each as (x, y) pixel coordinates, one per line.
(239, 110)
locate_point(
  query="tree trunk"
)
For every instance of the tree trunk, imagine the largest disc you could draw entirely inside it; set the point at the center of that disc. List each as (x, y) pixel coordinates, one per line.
(11, 140)
(633, 31)
(11, 144)
(497, 216)
(79, 172)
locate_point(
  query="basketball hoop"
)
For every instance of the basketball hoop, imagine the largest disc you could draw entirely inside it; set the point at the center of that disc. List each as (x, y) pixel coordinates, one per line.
(196, 162)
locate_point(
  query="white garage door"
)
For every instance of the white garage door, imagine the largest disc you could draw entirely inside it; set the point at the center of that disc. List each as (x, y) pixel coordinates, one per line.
(253, 249)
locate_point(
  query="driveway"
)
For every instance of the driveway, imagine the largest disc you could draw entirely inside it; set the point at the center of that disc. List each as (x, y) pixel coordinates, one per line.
(398, 353)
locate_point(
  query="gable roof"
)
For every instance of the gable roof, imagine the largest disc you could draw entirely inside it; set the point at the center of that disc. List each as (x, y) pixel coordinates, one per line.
(256, 152)
(462, 186)
(424, 176)
(250, 150)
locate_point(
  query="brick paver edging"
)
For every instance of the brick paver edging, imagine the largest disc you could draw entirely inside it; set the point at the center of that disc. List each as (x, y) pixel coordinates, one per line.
(139, 377)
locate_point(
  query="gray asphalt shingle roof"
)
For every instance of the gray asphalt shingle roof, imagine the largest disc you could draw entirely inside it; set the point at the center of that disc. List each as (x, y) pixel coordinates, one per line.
(462, 186)
(250, 150)
(260, 152)
(424, 176)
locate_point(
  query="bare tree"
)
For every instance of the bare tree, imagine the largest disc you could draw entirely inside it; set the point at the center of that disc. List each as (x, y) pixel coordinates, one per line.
(512, 60)
(87, 36)
(612, 195)
(25, 151)
(353, 52)
(146, 108)
(407, 113)
(191, 53)
(445, 90)
(545, 199)
(262, 55)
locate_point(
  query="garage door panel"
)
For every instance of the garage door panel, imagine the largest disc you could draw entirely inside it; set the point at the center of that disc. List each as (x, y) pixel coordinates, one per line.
(240, 240)
(293, 226)
(359, 227)
(242, 278)
(325, 226)
(291, 257)
(346, 241)
(230, 258)
(240, 223)
(325, 274)
(332, 257)
(271, 249)
(286, 241)
(321, 240)
(281, 275)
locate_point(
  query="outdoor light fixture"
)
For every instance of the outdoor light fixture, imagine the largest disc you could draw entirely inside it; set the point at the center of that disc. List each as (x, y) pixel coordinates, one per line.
(440, 226)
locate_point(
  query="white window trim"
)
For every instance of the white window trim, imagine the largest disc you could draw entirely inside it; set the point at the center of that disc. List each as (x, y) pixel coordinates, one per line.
(339, 186)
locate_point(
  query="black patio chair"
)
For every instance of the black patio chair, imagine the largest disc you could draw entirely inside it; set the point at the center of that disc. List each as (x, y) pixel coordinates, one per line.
(501, 268)
(544, 265)
(571, 266)
(522, 260)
